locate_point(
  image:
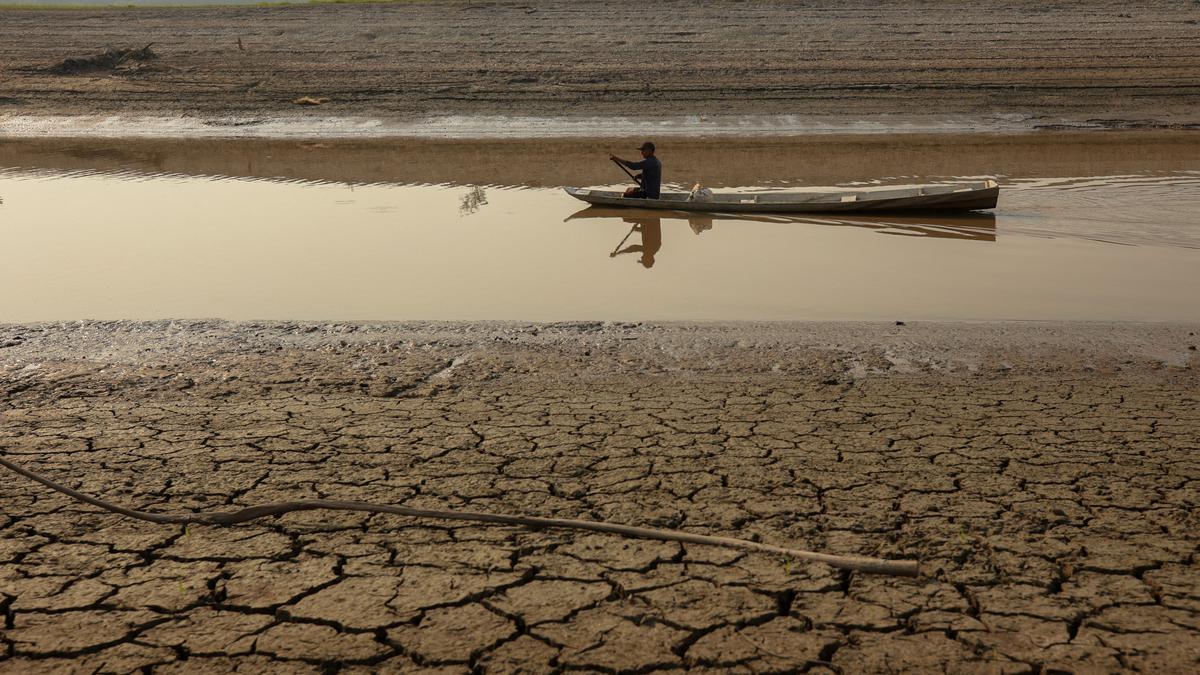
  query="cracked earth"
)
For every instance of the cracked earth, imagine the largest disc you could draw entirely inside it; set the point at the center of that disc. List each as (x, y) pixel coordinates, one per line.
(1046, 475)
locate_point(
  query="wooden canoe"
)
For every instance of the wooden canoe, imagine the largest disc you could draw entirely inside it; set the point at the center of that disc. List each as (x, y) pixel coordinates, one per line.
(921, 199)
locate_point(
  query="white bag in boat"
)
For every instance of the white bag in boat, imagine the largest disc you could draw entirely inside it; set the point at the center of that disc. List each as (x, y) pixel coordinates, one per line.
(700, 194)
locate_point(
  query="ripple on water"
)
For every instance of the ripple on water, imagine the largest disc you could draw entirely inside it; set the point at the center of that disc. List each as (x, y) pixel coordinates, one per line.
(1151, 209)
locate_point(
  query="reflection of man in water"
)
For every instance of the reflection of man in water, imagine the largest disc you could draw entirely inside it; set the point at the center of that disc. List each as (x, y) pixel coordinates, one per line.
(651, 231)
(651, 174)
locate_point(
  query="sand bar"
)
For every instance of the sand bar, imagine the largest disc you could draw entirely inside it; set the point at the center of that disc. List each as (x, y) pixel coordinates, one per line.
(542, 162)
(555, 68)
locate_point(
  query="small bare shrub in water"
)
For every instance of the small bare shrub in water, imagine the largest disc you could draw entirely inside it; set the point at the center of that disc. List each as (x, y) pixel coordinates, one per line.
(471, 201)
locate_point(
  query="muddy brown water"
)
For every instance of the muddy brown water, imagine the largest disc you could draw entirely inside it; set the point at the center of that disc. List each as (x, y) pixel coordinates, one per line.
(1089, 227)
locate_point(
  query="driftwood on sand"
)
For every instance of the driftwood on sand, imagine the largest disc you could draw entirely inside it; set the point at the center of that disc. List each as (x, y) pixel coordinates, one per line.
(109, 59)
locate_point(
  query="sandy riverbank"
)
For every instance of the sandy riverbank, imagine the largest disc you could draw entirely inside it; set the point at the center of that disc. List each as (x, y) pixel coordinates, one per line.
(435, 68)
(542, 162)
(1045, 475)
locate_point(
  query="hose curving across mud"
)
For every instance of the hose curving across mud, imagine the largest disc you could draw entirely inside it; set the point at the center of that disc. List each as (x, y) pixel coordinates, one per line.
(907, 568)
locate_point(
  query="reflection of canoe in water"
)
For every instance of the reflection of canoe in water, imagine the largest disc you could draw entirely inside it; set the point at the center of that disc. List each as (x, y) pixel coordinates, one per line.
(923, 198)
(968, 226)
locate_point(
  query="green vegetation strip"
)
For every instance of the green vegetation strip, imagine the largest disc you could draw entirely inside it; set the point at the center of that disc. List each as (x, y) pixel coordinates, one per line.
(25, 6)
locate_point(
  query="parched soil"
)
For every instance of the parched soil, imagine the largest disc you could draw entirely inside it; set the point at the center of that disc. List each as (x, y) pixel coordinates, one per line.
(1045, 475)
(1107, 63)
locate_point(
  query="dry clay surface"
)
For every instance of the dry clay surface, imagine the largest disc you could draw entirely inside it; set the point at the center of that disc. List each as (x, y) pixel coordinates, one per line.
(1045, 475)
(1107, 63)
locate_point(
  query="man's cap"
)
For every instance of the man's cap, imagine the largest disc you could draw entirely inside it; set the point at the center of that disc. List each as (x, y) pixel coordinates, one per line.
(647, 146)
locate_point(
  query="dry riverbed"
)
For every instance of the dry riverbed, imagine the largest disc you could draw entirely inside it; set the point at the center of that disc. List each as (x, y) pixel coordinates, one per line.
(968, 64)
(1044, 474)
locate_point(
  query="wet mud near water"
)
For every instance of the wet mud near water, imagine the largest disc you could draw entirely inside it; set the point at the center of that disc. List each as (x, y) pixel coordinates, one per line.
(716, 162)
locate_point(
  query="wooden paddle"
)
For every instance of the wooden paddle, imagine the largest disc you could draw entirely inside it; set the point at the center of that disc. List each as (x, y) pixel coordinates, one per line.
(626, 170)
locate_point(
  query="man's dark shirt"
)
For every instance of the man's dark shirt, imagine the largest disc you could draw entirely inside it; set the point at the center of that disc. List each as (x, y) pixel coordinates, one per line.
(651, 175)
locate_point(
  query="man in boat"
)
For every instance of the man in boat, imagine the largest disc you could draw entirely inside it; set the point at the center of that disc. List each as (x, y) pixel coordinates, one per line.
(650, 180)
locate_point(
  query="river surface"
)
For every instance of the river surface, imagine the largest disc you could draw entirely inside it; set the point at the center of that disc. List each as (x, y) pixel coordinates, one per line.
(1105, 230)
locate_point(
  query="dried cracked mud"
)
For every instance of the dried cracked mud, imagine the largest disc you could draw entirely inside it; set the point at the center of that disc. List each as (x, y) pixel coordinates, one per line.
(1045, 475)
